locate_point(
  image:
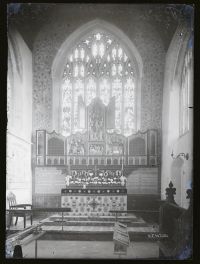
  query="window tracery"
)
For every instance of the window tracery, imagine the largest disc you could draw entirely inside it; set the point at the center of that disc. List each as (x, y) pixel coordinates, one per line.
(98, 66)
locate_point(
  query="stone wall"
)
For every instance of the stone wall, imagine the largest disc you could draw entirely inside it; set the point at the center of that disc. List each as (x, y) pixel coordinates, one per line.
(179, 170)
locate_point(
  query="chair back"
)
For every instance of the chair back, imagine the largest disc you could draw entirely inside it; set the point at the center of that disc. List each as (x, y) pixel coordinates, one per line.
(11, 200)
(17, 254)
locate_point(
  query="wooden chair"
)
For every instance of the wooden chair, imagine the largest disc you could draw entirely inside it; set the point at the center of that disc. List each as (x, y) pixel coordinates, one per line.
(13, 205)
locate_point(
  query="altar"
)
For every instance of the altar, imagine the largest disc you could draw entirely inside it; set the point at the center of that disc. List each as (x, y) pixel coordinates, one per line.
(94, 201)
(93, 165)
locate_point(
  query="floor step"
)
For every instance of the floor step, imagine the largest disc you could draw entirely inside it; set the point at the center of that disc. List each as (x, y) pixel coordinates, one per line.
(92, 232)
(96, 233)
(95, 218)
(91, 223)
(90, 227)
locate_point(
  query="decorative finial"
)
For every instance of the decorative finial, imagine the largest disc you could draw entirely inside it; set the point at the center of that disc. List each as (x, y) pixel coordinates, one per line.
(170, 192)
(189, 196)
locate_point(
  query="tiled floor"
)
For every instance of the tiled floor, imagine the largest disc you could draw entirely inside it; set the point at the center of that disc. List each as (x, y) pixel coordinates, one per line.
(90, 229)
(88, 249)
(97, 228)
(149, 228)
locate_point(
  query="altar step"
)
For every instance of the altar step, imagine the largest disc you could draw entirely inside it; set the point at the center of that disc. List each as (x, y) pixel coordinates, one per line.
(101, 233)
(130, 221)
(93, 223)
(127, 218)
(89, 233)
(90, 228)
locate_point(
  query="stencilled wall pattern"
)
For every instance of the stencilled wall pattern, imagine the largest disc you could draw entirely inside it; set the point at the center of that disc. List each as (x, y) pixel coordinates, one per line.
(66, 20)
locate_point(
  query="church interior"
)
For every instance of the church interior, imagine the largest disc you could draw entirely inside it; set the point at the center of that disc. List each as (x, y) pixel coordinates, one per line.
(100, 131)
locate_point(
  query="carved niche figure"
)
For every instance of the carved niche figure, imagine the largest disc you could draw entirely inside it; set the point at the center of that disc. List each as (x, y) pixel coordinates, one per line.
(115, 144)
(76, 145)
(96, 149)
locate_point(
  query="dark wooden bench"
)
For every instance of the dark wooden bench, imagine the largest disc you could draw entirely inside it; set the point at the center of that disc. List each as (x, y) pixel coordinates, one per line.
(176, 223)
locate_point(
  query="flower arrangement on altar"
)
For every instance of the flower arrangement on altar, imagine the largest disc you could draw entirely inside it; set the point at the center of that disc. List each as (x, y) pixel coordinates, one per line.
(91, 178)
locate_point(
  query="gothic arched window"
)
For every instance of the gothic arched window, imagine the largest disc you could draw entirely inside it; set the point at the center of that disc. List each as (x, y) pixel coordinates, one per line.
(99, 66)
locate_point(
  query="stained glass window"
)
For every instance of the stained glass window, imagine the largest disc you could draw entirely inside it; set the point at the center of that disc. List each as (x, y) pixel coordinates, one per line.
(104, 90)
(129, 102)
(90, 90)
(98, 66)
(117, 92)
(78, 91)
(66, 107)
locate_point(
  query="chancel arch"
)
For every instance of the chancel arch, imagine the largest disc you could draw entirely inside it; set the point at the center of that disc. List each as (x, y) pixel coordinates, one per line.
(97, 60)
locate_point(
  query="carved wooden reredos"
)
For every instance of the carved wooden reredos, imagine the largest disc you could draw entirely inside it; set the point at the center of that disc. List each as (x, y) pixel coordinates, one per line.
(98, 145)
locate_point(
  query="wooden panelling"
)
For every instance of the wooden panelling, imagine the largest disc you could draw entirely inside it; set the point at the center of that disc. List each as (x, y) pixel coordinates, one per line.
(139, 149)
(142, 202)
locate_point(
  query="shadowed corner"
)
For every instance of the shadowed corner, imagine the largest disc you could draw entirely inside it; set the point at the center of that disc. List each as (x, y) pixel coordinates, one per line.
(186, 254)
(13, 8)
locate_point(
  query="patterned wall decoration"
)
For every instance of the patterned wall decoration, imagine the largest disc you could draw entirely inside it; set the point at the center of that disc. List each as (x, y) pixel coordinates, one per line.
(153, 56)
(141, 33)
(95, 204)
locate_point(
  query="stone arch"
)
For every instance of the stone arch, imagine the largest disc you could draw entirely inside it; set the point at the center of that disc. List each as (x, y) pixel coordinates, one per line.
(59, 63)
(14, 52)
(14, 69)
